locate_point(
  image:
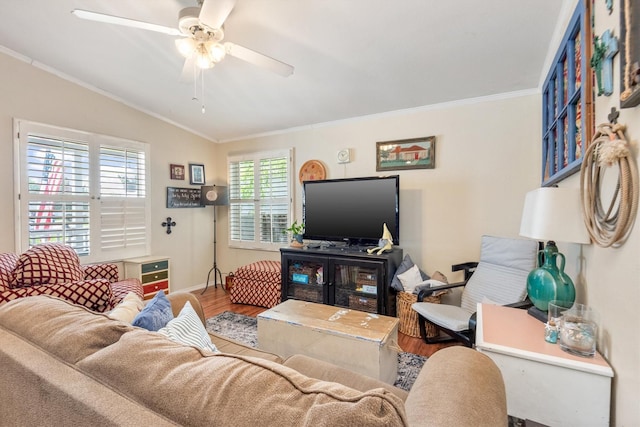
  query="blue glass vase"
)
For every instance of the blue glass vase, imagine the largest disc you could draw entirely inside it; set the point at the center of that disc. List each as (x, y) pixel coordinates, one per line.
(548, 282)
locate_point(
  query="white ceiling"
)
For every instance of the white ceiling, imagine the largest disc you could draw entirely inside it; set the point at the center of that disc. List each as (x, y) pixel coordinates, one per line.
(352, 58)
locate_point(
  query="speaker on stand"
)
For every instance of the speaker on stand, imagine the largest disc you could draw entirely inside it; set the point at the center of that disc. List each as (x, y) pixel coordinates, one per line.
(213, 195)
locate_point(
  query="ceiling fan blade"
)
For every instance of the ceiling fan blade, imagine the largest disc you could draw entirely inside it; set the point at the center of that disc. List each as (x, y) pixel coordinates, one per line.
(213, 13)
(110, 19)
(258, 59)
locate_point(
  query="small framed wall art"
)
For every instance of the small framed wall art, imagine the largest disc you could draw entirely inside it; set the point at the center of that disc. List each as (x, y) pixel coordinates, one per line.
(196, 174)
(415, 153)
(176, 171)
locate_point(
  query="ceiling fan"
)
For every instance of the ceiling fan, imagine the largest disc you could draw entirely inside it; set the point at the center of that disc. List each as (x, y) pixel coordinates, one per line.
(201, 33)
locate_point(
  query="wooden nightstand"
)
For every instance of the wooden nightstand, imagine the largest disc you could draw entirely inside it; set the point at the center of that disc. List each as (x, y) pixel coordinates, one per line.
(152, 271)
(543, 383)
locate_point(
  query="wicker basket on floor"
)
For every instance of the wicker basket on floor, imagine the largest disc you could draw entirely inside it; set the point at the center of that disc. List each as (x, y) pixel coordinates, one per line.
(408, 324)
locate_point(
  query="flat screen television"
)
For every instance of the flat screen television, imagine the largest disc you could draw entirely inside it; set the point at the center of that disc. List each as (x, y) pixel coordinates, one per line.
(352, 209)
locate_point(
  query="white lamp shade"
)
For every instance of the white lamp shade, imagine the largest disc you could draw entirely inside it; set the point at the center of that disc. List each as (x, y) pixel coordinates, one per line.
(217, 52)
(553, 213)
(186, 46)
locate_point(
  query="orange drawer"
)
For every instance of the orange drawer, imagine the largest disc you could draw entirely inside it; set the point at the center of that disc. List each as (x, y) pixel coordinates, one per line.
(155, 287)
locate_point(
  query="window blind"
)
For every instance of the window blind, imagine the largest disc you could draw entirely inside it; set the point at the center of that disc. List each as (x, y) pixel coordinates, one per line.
(260, 199)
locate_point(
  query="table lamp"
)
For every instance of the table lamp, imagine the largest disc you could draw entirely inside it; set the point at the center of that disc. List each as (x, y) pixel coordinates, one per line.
(552, 214)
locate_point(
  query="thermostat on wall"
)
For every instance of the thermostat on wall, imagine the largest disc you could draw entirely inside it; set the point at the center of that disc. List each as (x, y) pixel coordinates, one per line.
(344, 155)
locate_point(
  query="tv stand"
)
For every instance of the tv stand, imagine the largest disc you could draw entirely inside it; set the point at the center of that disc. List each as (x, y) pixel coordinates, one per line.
(343, 276)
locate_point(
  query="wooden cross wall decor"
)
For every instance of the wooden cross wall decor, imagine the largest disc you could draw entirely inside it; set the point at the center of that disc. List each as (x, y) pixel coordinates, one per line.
(168, 224)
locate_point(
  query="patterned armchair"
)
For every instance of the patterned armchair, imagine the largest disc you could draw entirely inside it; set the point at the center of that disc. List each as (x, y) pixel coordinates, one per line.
(54, 269)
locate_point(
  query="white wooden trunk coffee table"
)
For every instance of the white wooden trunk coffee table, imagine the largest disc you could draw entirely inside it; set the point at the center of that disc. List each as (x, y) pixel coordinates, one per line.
(362, 342)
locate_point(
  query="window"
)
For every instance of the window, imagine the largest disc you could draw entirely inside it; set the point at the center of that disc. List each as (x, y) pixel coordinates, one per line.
(260, 199)
(567, 102)
(84, 190)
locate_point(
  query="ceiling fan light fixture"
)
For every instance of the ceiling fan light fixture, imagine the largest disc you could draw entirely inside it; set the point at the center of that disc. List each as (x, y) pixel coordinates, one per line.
(217, 52)
(186, 46)
(203, 58)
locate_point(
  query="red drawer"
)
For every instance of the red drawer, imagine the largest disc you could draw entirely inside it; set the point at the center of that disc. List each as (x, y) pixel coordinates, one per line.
(152, 288)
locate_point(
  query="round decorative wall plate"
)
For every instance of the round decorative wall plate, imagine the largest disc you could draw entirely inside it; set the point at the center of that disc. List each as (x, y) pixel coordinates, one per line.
(312, 170)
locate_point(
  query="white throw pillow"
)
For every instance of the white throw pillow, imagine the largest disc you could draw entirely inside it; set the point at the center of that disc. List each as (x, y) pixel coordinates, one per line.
(410, 278)
(187, 329)
(128, 308)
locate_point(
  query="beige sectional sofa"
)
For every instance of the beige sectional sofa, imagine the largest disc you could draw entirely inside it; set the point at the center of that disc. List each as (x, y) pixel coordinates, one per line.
(63, 364)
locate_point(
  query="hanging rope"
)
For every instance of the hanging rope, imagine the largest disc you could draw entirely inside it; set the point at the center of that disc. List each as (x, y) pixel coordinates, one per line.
(610, 227)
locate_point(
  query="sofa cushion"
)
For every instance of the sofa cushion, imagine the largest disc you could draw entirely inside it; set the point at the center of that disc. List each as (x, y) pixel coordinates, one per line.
(326, 371)
(156, 314)
(46, 264)
(68, 331)
(230, 390)
(8, 263)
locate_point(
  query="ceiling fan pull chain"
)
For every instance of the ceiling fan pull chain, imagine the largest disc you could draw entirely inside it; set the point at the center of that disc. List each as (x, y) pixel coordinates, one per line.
(195, 83)
(202, 90)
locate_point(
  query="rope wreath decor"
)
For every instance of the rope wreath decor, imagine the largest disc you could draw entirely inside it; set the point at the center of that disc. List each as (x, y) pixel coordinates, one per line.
(610, 227)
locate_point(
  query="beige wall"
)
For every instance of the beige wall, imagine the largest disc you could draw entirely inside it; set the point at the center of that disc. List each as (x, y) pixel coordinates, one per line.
(486, 159)
(29, 93)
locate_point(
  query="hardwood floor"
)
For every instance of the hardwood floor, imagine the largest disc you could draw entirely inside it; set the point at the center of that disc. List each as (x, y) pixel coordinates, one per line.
(215, 301)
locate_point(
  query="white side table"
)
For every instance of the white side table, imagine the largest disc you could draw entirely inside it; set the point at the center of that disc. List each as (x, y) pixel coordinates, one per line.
(543, 383)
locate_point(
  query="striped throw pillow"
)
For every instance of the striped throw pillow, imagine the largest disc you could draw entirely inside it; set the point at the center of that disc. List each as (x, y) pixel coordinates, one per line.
(187, 329)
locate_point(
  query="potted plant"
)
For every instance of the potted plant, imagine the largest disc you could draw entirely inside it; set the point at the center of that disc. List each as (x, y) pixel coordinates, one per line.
(296, 231)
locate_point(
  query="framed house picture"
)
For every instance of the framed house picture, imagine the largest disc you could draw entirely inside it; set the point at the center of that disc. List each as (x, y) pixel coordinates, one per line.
(196, 174)
(415, 153)
(176, 171)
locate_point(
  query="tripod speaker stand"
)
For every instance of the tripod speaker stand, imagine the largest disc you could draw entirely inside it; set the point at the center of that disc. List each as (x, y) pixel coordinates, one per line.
(212, 195)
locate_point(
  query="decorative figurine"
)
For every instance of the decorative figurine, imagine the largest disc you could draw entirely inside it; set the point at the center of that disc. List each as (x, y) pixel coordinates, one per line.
(385, 243)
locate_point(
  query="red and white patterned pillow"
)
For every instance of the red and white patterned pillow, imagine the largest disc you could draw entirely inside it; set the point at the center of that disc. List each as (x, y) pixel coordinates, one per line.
(94, 294)
(8, 263)
(100, 271)
(46, 264)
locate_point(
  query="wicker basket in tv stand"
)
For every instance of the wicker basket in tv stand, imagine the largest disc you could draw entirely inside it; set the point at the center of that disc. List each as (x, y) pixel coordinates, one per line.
(342, 277)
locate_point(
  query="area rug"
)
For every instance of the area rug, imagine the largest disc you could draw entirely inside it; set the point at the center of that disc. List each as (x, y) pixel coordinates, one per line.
(244, 329)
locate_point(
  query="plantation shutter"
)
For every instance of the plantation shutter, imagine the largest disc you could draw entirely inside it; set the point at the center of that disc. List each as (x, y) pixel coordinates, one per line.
(122, 199)
(242, 201)
(57, 196)
(274, 199)
(259, 199)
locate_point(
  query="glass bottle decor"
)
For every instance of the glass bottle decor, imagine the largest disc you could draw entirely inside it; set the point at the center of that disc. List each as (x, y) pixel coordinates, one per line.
(547, 282)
